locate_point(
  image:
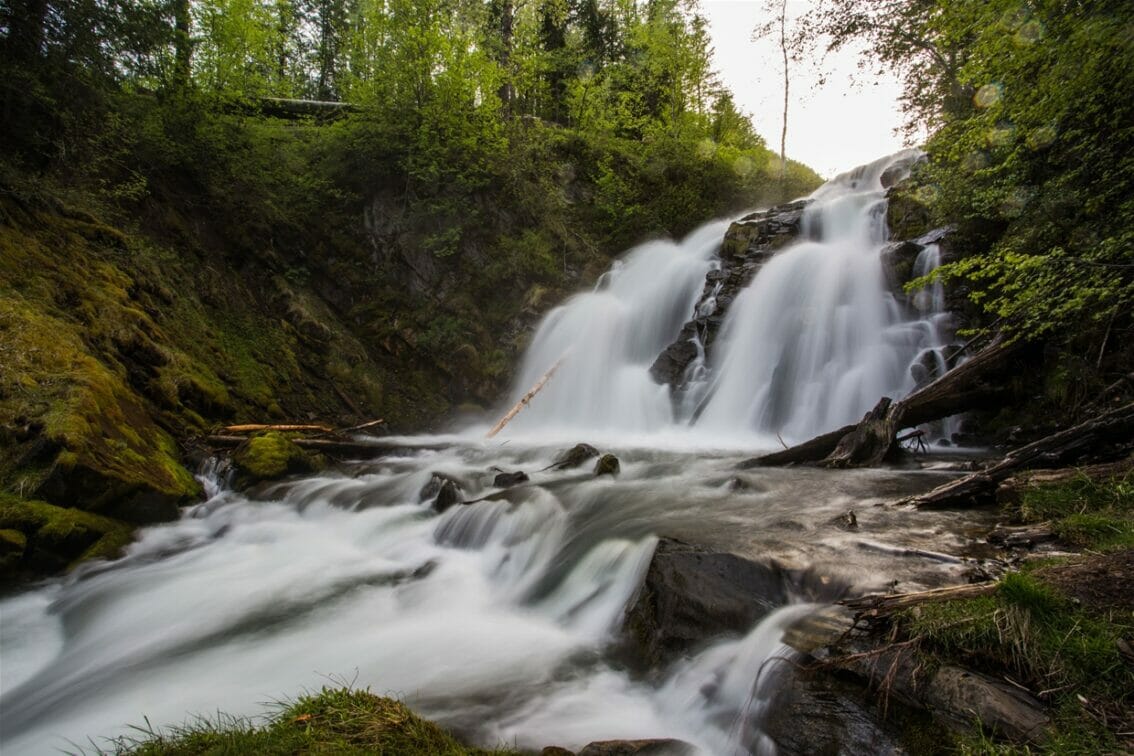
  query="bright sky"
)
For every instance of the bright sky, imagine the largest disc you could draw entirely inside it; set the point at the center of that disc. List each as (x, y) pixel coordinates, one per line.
(833, 127)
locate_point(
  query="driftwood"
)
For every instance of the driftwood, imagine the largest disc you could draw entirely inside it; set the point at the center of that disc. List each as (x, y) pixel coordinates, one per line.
(1022, 536)
(1010, 489)
(970, 385)
(524, 400)
(357, 449)
(881, 604)
(280, 107)
(283, 428)
(1057, 450)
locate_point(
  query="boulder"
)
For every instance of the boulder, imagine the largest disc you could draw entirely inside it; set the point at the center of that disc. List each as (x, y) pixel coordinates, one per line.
(270, 456)
(821, 714)
(448, 496)
(653, 747)
(509, 479)
(692, 595)
(608, 464)
(575, 456)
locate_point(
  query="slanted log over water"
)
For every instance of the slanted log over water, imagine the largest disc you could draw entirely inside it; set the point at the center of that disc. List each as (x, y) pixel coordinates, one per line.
(1111, 434)
(968, 386)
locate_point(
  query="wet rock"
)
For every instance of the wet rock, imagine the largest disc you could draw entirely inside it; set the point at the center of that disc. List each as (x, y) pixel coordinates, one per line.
(747, 245)
(448, 496)
(692, 595)
(433, 487)
(898, 260)
(608, 464)
(659, 747)
(509, 479)
(670, 366)
(575, 456)
(839, 718)
(846, 521)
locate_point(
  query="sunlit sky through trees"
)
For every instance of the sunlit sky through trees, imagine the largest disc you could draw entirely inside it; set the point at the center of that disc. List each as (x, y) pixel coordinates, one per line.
(832, 127)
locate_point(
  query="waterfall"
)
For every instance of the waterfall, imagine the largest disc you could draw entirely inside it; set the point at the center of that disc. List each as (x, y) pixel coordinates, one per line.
(810, 345)
(608, 338)
(501, 619)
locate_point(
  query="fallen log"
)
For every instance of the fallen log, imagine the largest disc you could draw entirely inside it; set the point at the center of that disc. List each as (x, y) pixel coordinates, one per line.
(1113, 429)
(1010, 489)
(881, 604)
(1022, 536)
(524, 400)
(970, 385)
(282, 428)
(357, 449)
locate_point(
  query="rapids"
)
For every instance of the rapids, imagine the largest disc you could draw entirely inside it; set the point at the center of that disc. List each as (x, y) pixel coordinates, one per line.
(501, 619)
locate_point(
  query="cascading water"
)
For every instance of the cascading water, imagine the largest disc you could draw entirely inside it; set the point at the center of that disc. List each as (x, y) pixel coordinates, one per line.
(605, 341)
(499, 619)
(810, 345)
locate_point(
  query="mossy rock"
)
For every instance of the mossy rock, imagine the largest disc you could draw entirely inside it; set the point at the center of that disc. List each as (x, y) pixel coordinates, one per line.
(13, 544)
(49, 539)
(270, 456)
(907, 214)
(607, 464)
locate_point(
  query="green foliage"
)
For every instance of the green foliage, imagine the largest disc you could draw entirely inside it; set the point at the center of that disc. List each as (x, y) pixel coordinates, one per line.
(341, 721)
(1044, 641)
(1030, 153)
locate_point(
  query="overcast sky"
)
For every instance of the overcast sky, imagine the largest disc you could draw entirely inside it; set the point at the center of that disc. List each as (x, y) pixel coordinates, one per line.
(831, 128)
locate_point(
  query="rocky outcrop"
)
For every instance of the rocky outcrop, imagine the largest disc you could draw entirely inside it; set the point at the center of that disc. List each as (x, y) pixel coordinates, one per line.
(748, 244)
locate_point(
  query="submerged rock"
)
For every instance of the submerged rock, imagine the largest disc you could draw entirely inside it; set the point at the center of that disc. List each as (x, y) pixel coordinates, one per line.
(608, 464)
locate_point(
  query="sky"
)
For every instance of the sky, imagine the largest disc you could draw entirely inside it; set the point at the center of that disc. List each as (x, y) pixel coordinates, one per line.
(833, 127)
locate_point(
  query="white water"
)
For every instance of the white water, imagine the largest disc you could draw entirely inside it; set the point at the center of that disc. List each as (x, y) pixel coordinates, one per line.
(811, 345)
(499, 619)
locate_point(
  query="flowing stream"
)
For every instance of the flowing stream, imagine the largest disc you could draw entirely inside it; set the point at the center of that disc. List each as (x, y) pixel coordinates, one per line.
(501, 619)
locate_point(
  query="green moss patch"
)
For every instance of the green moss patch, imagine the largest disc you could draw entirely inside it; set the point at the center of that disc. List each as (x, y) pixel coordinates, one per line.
(268, 456)
(334, 721)
(56, 538)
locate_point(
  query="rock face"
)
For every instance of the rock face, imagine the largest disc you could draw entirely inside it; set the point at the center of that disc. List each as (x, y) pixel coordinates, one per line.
(747, 245)
(837, 717)
(692, 595)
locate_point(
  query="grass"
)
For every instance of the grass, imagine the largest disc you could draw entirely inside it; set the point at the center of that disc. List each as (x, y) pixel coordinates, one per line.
(1030, 631)
(333, 721)
(1085, 512)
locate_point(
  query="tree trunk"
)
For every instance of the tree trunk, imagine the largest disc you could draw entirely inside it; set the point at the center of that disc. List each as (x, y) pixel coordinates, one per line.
(1109, 435)
(970, 385)
(182, 44)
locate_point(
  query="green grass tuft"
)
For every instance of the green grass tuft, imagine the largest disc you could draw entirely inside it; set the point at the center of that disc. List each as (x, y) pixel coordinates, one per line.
(338, 721)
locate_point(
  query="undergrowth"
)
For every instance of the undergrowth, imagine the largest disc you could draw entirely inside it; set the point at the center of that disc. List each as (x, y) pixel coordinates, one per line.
(1085, 512)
